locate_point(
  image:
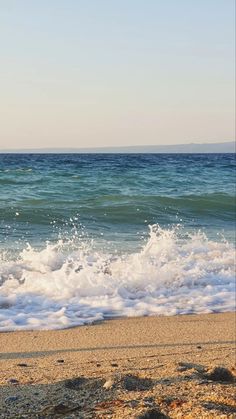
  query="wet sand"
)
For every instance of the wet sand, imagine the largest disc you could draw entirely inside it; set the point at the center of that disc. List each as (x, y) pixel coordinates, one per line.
(122, 368)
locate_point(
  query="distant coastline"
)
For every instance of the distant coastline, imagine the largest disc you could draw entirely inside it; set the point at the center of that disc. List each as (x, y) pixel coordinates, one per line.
(225, 147)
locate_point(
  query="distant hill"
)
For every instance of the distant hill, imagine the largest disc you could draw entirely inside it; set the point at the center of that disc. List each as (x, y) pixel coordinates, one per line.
(226, 147)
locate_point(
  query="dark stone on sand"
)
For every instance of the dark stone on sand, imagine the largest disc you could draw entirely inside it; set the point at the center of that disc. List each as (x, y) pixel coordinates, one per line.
(11, 399)
(148, 399)
(60, 361)
(134, 383)
(76, 383)
(21, 364)
(152, 414)
(199, 347)
(220, 374)
(113, 364)
(61, 408)
(133, 403)
(82, 383)
(13, 381)
(166, 381)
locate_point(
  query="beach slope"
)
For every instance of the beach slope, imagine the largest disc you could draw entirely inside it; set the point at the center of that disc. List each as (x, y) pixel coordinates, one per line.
(180, 366)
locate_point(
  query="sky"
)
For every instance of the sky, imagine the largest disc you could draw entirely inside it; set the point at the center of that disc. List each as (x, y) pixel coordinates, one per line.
(85, 73)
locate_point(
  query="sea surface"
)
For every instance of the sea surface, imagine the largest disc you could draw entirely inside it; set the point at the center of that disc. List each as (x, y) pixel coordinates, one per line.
(85, 237)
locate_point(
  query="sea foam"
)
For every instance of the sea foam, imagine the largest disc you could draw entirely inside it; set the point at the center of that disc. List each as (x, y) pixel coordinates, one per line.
(66, 285)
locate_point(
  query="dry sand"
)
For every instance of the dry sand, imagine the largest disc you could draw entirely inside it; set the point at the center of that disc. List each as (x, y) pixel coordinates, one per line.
(152, 367)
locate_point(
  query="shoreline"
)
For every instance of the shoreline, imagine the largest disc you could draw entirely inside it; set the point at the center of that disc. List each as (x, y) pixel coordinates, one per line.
(175, 353)
(119, 318)
(67, 338)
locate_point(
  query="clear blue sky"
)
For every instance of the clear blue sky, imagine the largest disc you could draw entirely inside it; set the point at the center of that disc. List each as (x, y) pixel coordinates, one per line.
(116, 72)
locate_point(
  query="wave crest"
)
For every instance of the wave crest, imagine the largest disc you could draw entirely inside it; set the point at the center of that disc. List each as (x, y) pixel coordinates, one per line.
(68, 284)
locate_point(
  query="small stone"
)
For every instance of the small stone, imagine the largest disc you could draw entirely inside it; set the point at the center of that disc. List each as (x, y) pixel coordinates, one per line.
(107, 271)
(98, 365)
(134, 383)
(11, 399)
(166, 381)
(152, 414)
(108, 384)
(181, 369)
(75, 383)
(133, 403)
(13, 381)
(148, 402)
(82, 383)
(199, 347)
(21, 364)
(61, 408)
(113, 364)
(60, 361)
(220, 374)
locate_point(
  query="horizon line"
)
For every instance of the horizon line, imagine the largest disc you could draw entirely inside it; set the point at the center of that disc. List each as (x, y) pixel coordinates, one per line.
(149, 146)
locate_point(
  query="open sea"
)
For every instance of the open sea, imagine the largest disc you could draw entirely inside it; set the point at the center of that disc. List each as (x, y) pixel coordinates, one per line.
(85, 237)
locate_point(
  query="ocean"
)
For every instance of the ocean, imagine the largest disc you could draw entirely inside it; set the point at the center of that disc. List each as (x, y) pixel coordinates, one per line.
(86, 237)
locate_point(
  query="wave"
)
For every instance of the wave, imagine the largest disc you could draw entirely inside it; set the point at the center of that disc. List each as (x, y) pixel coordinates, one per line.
(69, 283)
(125, 208)
(16, 170)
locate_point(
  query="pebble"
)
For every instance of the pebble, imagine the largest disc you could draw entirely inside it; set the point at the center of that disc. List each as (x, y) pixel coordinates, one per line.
(108, 384)
(133, 403)
(22, 365)
(220, 374)
(134, 383)
(59, 409)
(181, 369)
(152, 414)
(75, 383)
(82, 383)
(13, 381)
(60, 361)
(11, 399)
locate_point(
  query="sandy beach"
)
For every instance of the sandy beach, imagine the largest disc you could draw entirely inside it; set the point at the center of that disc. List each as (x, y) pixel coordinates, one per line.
(135, 367)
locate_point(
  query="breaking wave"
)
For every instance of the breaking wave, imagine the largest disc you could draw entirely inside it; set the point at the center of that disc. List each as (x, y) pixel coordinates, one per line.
(71, 283)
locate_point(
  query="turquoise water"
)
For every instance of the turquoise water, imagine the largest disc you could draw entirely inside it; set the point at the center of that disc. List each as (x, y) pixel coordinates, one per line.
(114, 196)
(104, 235)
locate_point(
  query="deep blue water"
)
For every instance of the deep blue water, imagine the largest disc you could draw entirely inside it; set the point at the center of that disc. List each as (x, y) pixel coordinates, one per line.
(114, 197)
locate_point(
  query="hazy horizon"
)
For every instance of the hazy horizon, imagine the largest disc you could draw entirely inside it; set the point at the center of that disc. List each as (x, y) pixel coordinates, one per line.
(220, 147)
(106, 74)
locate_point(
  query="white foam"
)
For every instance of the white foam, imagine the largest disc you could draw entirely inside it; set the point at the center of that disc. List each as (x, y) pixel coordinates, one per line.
(53, 288)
